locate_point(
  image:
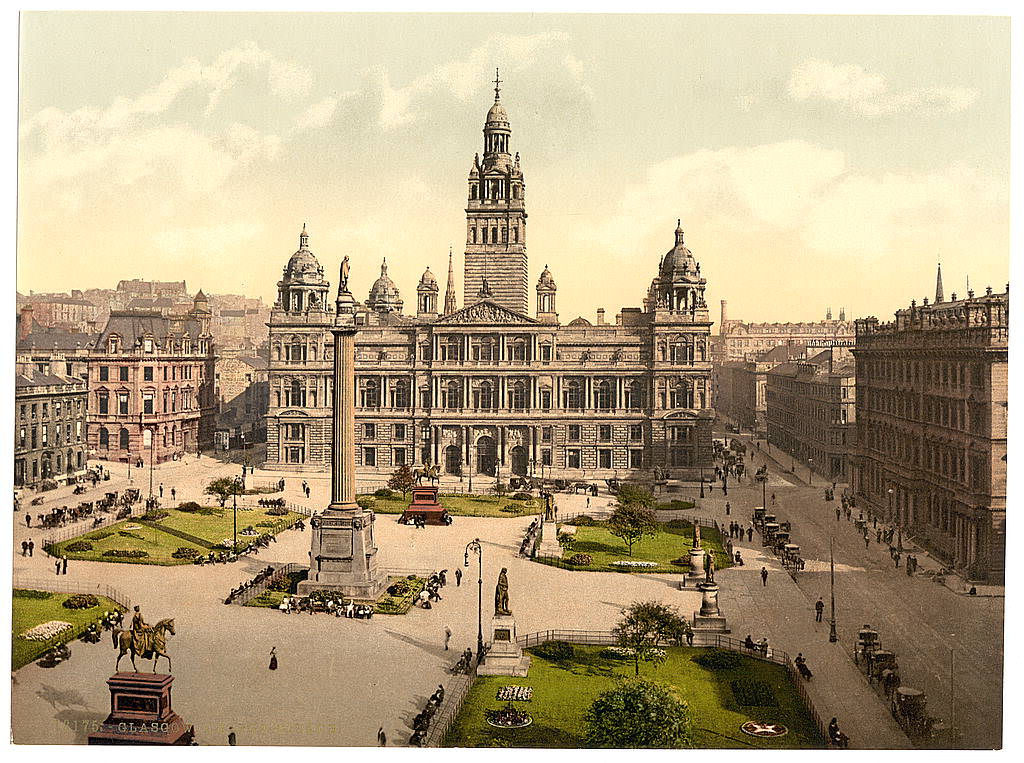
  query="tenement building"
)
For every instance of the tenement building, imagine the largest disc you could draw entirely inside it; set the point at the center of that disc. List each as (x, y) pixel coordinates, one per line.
(49, 434)
(488, 388)
(736, 339)
(931, 426)
(739, 386)
(151, 385)
(810, 412)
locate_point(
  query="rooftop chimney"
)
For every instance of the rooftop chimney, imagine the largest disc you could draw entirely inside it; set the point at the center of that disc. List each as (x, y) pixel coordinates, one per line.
(25, 327)
(600, 316)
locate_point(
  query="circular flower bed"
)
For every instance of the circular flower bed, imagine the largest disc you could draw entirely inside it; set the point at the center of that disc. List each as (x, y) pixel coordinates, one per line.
(78, 546)
(632, 563)
(580, 560)
(46, 631)
(81, 601)
(508, 718)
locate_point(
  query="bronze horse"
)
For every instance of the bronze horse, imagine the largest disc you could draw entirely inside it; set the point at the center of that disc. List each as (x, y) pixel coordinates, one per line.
(431, 472)
(158, 644)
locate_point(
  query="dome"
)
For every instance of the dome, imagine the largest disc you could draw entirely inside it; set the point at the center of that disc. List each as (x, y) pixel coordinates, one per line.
(546, 279)
(303, 265)
(497, 115)
(581, 321)
(427, 279)
(678, 259)
(384, 294)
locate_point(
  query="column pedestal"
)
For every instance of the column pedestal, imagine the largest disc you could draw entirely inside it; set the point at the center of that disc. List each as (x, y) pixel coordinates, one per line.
(549, 545)
(140, 712)
(709, 619)
(505, 657)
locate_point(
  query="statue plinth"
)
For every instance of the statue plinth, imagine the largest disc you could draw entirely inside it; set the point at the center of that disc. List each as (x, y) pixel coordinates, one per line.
(425, 504)
(549, 545)
(140, 712)
(343, 556)
(505, 657)
(696, 564)
(709, 618)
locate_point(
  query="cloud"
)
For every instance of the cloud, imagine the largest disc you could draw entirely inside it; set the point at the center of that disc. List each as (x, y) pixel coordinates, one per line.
(867, 93)
(205, 240)
(318, 115)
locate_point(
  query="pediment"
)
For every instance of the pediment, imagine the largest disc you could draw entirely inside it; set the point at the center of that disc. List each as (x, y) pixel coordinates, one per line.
(486, 312)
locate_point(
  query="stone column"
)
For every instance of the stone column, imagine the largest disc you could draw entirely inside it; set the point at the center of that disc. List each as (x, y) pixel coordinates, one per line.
(343, 454)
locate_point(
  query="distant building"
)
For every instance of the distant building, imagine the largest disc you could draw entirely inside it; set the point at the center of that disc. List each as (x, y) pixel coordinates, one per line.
(737, 338)
(241, 391)
(739, 386)
(931, 426)
(810, 413)
(50, 424)
(62, 311)
(151, 385)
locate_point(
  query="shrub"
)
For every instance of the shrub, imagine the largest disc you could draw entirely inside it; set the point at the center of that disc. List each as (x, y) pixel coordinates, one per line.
(122, 553)
(266, 524)
(556, 651)
(400, 588)
(78, 546)
(100, 535)
(276, 511)
(583, 521)
(616, 653)
(155, 516)
(281, 584)
(26, 593)
(580, 560)
(521, 496)
(753, 693)
(513, 508)
(384, 493)
(638, 714)
(81, 601)
(365, 502)
(129, 534)
(185, 552)
(718, 659)
(189, 506)
(679, 524)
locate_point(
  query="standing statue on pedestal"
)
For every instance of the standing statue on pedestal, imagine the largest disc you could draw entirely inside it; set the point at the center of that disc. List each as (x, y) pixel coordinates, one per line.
(709, 568)
(501, 594)
(549, 508)
(343, 281)
(696, 536)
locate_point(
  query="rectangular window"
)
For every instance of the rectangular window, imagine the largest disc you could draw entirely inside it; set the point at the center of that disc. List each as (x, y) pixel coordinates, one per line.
(604, 458)
(46, 410)
(122, 403)
(369, 456)
(400, 432)
(369, 431)
(147, 373)
(636, 459)
(35, 410)
(545, 399)
(545, 353)
(22, 437)
(165, 373)
(574, 432)
(399, 456)
(122, 373)
(23, 411)
(636, 432)
(104, 402)
(604, 432)
(46, 432)
(545, 434)
(295, 454)
(147, 402)
(104, 373)
(545, 457)
(572, 458)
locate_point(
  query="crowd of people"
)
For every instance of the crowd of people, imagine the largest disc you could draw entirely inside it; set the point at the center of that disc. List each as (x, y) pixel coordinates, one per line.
(255, 580)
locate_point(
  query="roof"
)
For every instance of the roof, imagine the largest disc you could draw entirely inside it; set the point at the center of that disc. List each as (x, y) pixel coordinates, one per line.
(132, 325)
(31, 377)
(51, 338)
(254, 361)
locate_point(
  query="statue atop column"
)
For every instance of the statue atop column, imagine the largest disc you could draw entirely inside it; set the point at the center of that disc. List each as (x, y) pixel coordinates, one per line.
(709, 569)
(343, 279)
(501, 594)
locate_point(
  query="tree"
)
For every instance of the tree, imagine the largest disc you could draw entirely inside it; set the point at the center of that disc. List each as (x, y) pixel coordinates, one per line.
(223, 488)
(631, 522)
(638, 714)
(402, 480)
(644, 627)
(566, 540)
(634, 495)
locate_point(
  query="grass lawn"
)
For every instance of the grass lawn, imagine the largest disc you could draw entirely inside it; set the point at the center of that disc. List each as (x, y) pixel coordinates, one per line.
(26, 613)
(562, 692)
(461, 505)
(274, 598)
(208, 525)
(672, 542)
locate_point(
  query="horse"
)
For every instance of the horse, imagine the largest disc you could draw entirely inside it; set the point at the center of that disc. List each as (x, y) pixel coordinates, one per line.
(158, 644)
(430, 472)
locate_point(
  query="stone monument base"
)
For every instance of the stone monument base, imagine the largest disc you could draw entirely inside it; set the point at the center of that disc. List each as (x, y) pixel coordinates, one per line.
(505, 657)
(140, 712)
(343, 556)
(425, 504)
(549, 545)
(708, 618)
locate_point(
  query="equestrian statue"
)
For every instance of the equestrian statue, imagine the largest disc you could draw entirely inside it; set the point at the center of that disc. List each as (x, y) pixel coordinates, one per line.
(146, 641)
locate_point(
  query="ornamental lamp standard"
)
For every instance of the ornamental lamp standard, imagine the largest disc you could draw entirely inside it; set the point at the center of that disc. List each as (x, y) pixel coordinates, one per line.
(702, 480)
(236, 483)
(476, 548)
(832, 636)
(810, 471)
(890, 492)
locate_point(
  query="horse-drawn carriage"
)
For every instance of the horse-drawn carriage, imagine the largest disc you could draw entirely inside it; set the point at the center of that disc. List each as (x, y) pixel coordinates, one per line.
(768, 533)
(909, 707)
(791, 554)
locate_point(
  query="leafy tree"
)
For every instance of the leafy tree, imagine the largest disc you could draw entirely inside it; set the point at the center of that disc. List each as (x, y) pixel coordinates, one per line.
(645, 626)
(631, 522)
(223, 488)
(635, 495)
(639, 714)
(402, 479)
(566, 540)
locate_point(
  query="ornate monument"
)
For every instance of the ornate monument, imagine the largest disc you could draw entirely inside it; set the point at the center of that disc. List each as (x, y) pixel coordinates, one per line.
(549, 545)
(140, 703)
(697, 563)
(709, 619)
(342, 555)
(505, 657)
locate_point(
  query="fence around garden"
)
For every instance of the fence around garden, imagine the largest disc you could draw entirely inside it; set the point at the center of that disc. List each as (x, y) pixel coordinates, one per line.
(454, 696)
(251, 592)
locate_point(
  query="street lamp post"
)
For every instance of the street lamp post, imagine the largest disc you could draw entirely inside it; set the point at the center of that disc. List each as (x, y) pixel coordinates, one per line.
(762, 477)
(833, 637)
(234, 511)
(810, 471)
(889, 491)
(476, 548)
(152, 446)
(702, 480)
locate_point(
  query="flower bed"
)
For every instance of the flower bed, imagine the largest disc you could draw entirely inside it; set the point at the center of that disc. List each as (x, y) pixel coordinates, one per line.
(515, 693)
(78, 546)
(508, 718)
(121, 553)
(46, 631)
(580, 560)
(632, 563)
(81, 601)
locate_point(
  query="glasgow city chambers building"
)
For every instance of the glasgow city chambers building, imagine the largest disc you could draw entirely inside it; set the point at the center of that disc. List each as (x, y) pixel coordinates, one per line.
(489, 388)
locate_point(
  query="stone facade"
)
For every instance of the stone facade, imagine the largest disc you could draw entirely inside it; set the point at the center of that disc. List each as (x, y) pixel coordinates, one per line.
(931, 427)
(488, 389)
(740, 386)
(151, 385)
(50, 423)
(810, 413)
(736, 338)
(240, 388)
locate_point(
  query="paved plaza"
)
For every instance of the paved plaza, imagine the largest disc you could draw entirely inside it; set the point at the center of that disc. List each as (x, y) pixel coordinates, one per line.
(340, 679)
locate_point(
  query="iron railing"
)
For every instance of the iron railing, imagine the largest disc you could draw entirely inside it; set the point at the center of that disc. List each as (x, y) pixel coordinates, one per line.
(67, 586)
(454, 697)
(251, 592)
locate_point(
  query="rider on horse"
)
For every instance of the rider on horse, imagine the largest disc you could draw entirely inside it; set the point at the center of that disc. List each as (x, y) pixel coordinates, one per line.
(142, 634)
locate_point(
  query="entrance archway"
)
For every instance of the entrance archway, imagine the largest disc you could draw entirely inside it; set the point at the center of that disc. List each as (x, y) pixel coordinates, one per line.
(486, 455)
(520, 463)
(453, 460)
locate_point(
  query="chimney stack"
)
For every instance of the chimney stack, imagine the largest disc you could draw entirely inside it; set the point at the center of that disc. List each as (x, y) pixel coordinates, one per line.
(600, 316)
(725, 315)
(25, 328)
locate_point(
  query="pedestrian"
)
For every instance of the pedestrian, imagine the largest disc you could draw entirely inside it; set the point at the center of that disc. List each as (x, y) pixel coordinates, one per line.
(382, 740)
(232, 739)
(588, 501)
(689, 636)
(764, 576)
(442, 578)
(750, 533)
(773, 499)
(867, 540)
(838, 513)
(161, 490)
(878, 536)
(24, 548)
(458, 577)
(447, 637)
(28, 520)
(350, 610)
(64, 565)
(896, 558)
(57, 567)
(819, 607)
(31, 546)
(273, 658)
(728, 509)
(308, 490)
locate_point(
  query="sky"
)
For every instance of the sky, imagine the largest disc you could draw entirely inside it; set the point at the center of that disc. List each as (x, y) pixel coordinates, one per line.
(815, 161)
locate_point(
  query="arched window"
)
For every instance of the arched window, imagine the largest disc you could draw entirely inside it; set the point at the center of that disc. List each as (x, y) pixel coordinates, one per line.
(147, 438)
(634, 392)
(517, 351)
(572, 395)
(113, 343)
(453, 396)
(122, 439)
(517, 396)
(603, 395)
(369, 395)
(400, 397)
(681, 395)
(104, 438)
(295, 394)
(473, 234)
(484, 396)
(452, 349)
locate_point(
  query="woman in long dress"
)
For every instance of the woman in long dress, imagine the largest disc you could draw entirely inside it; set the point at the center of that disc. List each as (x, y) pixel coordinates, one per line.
(273, 658)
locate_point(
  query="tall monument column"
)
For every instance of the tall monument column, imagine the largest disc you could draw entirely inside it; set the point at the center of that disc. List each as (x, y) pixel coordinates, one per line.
(342, 554)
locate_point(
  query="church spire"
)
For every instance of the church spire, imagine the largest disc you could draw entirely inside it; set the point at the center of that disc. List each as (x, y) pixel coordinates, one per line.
(938, 285)
(450, 305)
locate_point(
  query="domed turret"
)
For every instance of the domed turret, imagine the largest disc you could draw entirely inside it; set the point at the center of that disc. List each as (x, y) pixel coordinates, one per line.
(303, 266)
(302, 286)
(679, 259)
(426, 295)
(384, 296)
(546, 290)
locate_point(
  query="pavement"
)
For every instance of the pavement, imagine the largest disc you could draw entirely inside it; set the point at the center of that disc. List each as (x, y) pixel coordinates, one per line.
(340, 679)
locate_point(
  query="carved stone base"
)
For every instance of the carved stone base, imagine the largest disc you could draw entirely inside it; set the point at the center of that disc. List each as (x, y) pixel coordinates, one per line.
(343, 556)
(696, 563)
(549, 545)
(140, 712)
(505, 657)
(709, 618)
(425, 504)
